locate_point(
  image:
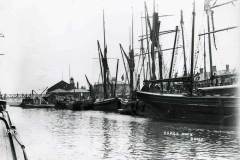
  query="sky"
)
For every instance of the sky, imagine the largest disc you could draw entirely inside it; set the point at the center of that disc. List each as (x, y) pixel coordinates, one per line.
(43, 38)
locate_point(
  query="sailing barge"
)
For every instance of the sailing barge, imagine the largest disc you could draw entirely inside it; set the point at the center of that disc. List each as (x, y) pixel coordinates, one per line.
(192, 109)
(129, 104)
(186, 99)
(109, 102)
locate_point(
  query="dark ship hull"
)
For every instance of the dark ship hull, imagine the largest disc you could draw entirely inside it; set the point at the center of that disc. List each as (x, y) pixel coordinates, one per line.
(64, 105)
(130, 107)
(220, 110)
(108, 105)
(82, 105)
(37, 105)
(30, 103)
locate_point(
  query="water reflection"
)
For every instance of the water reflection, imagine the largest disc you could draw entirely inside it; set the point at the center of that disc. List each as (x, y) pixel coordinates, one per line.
(62, 134)
(106, 138)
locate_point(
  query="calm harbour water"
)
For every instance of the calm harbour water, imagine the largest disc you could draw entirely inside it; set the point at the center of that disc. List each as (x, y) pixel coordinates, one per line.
(50, 134)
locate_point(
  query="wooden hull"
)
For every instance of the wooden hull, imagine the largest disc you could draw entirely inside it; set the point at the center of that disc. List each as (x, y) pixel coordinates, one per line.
(108, 105)
(30, 103)
(128, 107)
(220, 110)
(37, 105)
(63, 105)
(82, 105)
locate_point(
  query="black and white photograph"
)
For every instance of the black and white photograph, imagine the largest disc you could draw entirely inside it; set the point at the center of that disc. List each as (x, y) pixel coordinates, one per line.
(119, 80)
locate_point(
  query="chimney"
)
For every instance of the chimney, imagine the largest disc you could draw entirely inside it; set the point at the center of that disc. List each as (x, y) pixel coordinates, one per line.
(227, 68)
(77, 85)
(201, 70)
(72, 84)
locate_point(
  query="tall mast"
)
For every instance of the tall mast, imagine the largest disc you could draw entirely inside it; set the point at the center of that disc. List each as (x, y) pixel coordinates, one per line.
(213, 28)
(131, 63)
(131, 69)
(160, 61)
(155, 34)
(104, 61)
(142, 52)
(209, 12)
(132, 29)
(183, 44)
(173, 52)
(153, 38)
(192, 49)
(104, 33)
(159, 50)
(146, 25)
(115, 88)
(123, 52)
(130, 38)
(209, 46)
(100, 61)
(147, 70)
(160, 57)
(204, 55)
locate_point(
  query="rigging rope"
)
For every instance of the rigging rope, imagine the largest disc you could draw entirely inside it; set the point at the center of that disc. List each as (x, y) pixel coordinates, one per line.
(199, 45)
(176, 53)
(21, 145)
(13, 132)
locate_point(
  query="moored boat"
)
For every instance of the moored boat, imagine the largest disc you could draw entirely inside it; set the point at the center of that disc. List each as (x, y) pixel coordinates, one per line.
(109, 105)
(86, 104)
(128, 107)
(64, 104)
(108, 100)
(220, 110)
(35, 101)
(188, 99)
(129, 103)
(32, 103)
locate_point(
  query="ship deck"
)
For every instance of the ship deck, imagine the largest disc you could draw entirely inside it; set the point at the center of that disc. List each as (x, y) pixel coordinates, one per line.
(6, 150)
(185, 96)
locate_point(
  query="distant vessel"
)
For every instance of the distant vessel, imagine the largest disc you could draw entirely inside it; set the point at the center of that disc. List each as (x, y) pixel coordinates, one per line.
(65, 104)
(129, 105)
(86, 104)
(109, 102)
(186, 99)
(35, 101)
(11, 147)
(75, 105)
